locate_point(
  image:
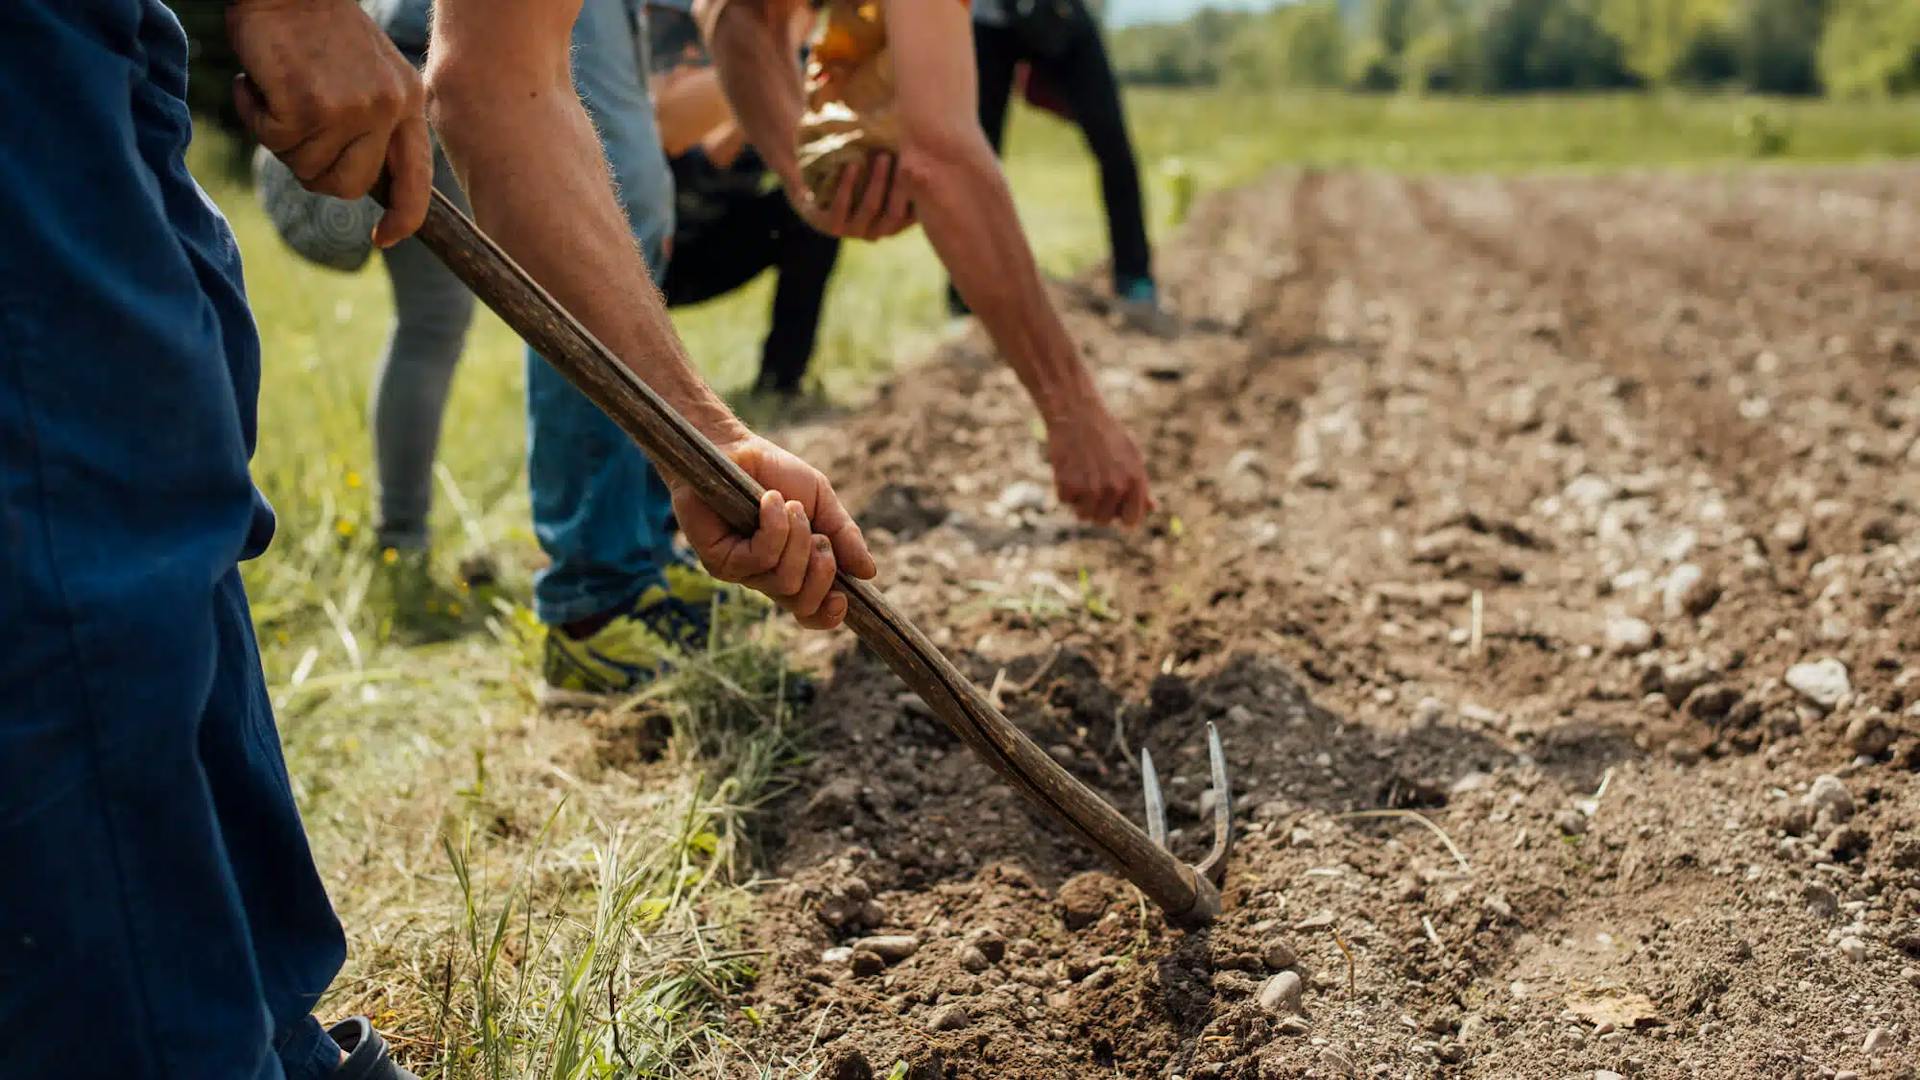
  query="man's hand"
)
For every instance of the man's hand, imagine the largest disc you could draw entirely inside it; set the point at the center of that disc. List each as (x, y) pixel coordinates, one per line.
(803, 537)
(1097, 470)
(326, 92)
(869, 202)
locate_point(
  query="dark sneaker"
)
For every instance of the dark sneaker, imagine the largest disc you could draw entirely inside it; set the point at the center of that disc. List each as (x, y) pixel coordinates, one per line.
(1137, 301)
(367, 1056)
(418, 606)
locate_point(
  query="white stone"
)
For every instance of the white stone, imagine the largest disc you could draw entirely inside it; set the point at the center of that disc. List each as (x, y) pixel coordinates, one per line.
(1823, 682)
(1628, 636)
(1281, 992)
(1830, 797)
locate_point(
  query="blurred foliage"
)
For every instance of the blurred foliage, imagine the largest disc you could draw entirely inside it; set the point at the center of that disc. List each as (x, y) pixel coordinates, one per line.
(1850, 48)
(1803, 47)
(1871, 47)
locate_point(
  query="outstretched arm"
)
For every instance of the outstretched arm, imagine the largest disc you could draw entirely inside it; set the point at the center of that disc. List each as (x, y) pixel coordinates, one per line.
(752, 46)
(501, 96)
(962, 199)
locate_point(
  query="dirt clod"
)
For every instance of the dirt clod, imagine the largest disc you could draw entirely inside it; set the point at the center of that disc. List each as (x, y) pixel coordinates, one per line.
(1085, 897)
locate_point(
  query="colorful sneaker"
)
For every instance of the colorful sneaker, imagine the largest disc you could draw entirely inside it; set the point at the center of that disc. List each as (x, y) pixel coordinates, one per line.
(418, 606)
(668, 620)
(1138, 302)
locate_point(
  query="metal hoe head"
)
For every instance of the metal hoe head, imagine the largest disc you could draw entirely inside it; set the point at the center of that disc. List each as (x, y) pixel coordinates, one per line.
(1214, 866)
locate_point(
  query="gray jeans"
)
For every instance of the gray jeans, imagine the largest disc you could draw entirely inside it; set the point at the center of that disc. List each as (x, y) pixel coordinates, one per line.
(431, 310)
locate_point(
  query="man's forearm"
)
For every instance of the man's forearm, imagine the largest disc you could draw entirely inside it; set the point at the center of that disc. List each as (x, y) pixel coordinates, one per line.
(572, 237)
(751, 44)
(964, 204)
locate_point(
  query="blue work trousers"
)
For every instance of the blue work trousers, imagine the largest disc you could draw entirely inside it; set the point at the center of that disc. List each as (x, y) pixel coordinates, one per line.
(600, 510)
(160, 914)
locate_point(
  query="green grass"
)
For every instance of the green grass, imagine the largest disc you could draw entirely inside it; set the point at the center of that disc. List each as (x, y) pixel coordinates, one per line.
(517, 888)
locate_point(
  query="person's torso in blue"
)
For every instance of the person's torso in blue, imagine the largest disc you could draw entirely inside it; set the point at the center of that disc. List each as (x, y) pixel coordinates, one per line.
(129, 362)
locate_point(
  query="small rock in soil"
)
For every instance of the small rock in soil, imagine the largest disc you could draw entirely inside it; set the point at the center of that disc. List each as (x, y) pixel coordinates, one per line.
(1853, 949)
(1829, 798)
(972, 959)
(1295, 1025)
(866, 963)
(1821, 901)
(1845, 842)
(1679, 679)
(1571, 822)
(1277, 955)
(990, 942)
(1628, 636)
(1869, 735)
(1315, 922)
(837, 955)
(1021, 495)
(1791, 534)
(948, 1018)
(1912, 975)
(1823, 682)
(892, 948)
(1688, 591)
(1712, 702)
(1281, 993)
(1877, 1040)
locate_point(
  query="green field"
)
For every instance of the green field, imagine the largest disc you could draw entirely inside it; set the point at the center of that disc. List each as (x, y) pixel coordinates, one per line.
(510, 882)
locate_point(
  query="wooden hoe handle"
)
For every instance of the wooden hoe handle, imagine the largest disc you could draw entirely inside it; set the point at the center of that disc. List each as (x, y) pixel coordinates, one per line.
(1188, 898)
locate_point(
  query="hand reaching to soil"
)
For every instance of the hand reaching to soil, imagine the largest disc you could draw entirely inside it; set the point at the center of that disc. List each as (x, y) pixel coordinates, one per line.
(327, 92)
(804, 536)
(1097, 470)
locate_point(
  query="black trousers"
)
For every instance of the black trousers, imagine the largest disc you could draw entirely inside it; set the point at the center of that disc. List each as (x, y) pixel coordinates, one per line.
(1084, 78)
(754, 233)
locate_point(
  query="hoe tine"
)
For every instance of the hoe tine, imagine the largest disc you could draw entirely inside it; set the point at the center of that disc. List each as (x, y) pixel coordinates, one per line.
(1214, 866)
(1156, 806)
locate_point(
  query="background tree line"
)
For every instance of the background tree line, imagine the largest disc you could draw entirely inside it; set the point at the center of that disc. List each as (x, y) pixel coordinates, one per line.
(1838, 47)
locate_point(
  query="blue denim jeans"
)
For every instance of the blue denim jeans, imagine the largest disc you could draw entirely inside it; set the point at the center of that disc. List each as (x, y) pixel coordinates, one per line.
(600, 510)
(160, 914)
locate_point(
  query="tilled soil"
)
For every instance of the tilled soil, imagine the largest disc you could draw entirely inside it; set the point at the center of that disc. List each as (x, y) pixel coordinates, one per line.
(1507, 503)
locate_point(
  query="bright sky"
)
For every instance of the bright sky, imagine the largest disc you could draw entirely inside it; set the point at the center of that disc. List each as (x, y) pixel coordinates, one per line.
(1126, 12)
